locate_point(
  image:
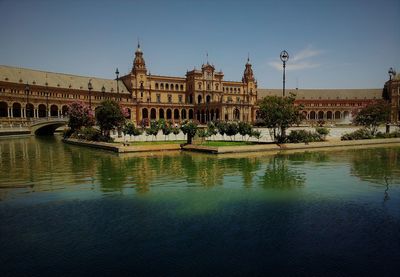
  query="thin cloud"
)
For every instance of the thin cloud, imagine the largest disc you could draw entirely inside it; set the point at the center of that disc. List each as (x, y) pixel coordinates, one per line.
(300, 60)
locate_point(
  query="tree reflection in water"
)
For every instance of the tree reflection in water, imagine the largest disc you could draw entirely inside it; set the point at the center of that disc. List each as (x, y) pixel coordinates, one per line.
(280, 175)
(378, 165)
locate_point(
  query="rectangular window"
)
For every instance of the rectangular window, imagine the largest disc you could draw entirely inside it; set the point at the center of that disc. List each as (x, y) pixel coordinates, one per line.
(180, 98)
(158, 98)
(169, 98)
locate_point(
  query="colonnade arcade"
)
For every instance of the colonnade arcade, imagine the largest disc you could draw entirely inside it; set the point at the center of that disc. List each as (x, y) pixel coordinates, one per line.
(326, 115)
(202, 115)
(17, 110)
(29, 110)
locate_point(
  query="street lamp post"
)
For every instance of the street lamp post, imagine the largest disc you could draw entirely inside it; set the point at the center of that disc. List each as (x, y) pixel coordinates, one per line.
(47, 104)
(284, 58)
(117, 73)
(391, 73)
(47, 101)
(27, 88)
(103, 90)
(90, 87)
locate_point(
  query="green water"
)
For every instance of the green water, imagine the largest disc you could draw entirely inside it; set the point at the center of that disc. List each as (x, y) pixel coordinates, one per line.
(67, 210)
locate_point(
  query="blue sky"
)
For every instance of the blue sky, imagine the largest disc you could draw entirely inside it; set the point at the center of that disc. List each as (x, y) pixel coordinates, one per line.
(331, 43)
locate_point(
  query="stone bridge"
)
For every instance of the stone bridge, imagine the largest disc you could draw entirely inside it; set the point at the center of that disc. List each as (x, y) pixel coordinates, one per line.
(47, 126)
(37, 126)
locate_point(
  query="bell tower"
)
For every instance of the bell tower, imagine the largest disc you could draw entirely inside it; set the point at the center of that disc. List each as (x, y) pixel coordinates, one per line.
(250, 83)
(248, 75)
(139, 65)
(140, 83)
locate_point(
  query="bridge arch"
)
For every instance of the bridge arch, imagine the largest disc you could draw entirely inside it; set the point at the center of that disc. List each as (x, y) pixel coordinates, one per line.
(47, 126)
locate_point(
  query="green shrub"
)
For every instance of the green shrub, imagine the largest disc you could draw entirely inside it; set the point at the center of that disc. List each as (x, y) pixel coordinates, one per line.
(256, 134)
(202, 133)
(244, 129)
(92, 134)
(362, 133)
(297, 136)
(322, 131)
(390, 135)
(232, 129)
(211, 129)
(222, 127)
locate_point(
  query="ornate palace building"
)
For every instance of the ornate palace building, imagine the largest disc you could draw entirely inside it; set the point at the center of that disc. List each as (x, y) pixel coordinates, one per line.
(202, 95)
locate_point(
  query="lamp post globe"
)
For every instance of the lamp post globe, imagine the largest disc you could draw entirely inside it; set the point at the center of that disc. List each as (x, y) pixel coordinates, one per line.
(117, 73)
(284, 56)
(391, 73)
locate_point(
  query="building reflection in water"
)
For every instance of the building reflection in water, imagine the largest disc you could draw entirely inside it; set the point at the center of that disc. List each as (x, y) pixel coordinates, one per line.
(45, 164)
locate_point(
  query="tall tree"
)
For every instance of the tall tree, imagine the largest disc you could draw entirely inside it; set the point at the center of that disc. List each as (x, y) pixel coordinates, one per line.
(278, 114)
(373, 115)
(109, 115)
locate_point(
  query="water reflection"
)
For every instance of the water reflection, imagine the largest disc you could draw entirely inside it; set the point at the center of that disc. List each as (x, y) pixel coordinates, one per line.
(279, 174)
(376, 164)
(46, 164)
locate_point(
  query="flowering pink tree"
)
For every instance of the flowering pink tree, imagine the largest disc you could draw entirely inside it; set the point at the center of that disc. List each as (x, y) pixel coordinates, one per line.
(80, 116)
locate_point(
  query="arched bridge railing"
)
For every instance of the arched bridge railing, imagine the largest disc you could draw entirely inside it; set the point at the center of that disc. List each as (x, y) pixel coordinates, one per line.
(45, 126)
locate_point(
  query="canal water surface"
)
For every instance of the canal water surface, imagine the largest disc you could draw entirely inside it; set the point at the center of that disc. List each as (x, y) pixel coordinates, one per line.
(67, 210)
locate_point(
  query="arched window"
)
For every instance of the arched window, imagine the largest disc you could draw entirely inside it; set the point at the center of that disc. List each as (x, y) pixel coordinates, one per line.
(145, 113)
(176, 87)
(216, 87)
(17, 110)
(153, 113)
(42, 110)
(176, 114)
(162, 86)
(183, 114)
(181, 87)
(3, 109)
(169, 114)
(199, 85)
(53, 110)
(199, 99)
(166, 86)
(156, 85)
(208, 98)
